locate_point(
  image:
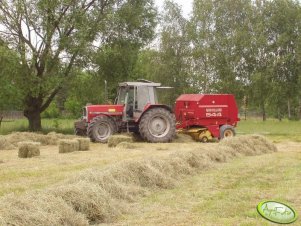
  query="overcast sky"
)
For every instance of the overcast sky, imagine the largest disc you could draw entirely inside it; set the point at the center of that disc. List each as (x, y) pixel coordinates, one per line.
(186, 5)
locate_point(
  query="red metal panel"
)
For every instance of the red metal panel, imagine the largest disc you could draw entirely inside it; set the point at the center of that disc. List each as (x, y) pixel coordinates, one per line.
(95, 110)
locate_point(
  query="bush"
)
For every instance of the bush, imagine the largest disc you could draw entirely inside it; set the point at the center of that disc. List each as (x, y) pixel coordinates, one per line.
(51, 112)
(74, 107)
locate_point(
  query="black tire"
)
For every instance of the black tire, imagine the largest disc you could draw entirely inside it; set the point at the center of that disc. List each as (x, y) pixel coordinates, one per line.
(227, 131)
(101, 128)
(158, 126)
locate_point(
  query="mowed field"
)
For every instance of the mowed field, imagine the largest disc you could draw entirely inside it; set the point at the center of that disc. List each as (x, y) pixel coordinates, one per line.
(225, 194)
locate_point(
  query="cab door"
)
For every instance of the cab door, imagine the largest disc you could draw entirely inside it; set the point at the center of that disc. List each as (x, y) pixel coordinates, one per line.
(142, 99)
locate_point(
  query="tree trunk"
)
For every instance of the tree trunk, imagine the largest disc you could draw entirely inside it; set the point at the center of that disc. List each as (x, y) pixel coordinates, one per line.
(264, 117)
(1, 118)
(34, 120)
(32, 112)
(289, 114)
(279, 115)
(299, 108)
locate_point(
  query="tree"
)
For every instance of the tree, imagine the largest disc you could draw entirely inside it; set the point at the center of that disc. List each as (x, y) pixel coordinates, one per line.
(52, 38)
(9, 69)
(133, 27)
(170, 63)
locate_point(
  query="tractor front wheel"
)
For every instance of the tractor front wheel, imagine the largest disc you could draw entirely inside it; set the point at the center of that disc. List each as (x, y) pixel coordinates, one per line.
(158, 126)
(227, 131)
(101, 128)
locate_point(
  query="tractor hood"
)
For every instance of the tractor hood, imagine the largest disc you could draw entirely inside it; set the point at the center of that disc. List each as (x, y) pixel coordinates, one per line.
(96, 110)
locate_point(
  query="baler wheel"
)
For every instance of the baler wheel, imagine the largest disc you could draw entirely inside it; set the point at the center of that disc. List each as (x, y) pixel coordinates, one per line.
(205, 139)
(157, 126)
(227, 131)
(101, 128)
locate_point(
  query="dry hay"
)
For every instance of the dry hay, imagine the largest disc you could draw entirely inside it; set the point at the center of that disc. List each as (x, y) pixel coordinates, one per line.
(126, 145)
(10, 141)
(183, 138)
(5, 144)
(116, 139)
(89, 199)
(67, 146)
(84, 144)
(28, 149)
(38, 209)
(98, 194)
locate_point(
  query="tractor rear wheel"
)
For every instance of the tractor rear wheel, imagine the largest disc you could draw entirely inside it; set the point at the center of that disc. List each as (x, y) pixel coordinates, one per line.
(158, 126)
(101, 128)
(227, 131)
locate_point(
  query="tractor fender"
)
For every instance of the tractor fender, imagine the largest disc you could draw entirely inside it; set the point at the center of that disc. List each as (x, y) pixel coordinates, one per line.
(151, 106)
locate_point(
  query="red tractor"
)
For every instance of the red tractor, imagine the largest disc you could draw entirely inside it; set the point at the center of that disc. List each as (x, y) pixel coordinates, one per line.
(136, 109)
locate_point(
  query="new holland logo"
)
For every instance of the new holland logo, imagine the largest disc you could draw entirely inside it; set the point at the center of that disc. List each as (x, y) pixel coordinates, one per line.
(277, 212)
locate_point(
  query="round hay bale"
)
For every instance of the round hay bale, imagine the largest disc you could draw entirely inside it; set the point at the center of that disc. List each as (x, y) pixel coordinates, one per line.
(67, 146)
(126, 145)
(28, 149)
(116, 139)
(84, 144)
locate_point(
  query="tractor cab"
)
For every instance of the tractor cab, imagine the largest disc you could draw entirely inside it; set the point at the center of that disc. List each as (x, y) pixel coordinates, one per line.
(136, 98)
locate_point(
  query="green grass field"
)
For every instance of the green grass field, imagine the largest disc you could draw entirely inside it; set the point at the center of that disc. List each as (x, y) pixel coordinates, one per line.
(273, 129)
(64, 126)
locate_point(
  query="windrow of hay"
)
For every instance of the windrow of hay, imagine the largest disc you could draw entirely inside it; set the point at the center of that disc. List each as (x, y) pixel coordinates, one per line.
(28, 149)
(38, 209)
(119, 138)
(101, 195)
(127, 145)
(9, 142)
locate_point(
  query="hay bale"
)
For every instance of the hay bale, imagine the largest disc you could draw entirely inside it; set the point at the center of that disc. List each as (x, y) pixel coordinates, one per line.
(28, 149)
(126, 145)
(116, 139)
(84, 144)
(67, 146)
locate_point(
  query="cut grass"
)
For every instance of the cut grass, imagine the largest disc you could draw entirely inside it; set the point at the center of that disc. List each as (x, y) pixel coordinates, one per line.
(98, 193)
(227, 195)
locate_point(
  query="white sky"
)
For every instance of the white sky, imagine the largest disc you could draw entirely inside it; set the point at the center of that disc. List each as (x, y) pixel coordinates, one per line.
(186, 5)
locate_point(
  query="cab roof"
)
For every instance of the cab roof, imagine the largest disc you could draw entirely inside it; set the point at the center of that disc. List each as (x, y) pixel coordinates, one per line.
(153, 84)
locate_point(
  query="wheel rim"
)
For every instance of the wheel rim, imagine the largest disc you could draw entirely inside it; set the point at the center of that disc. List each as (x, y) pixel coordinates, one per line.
(228, 133)
(205, 139)
(158, 126)
(103, 131)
